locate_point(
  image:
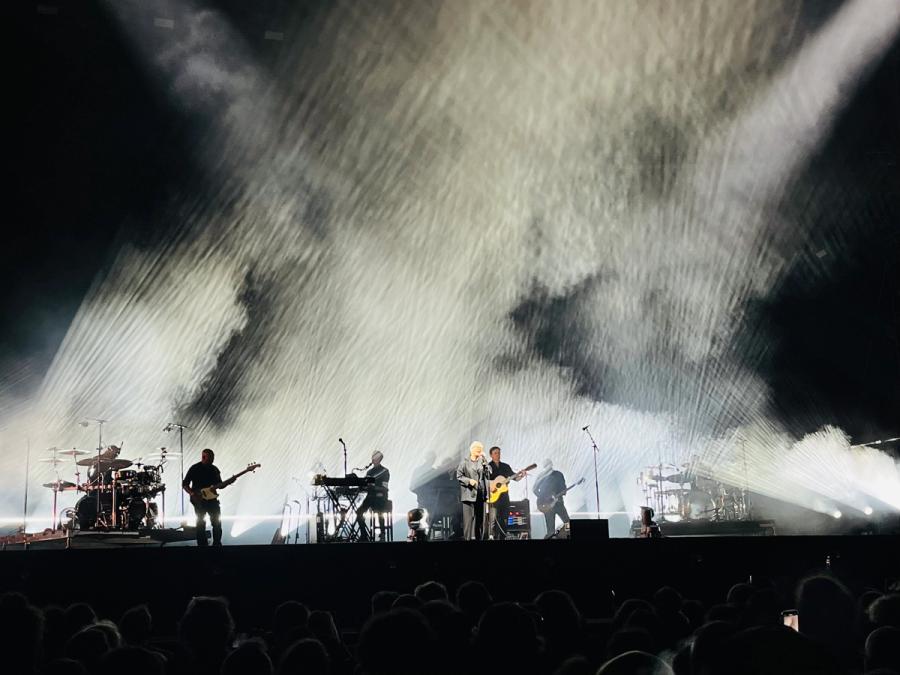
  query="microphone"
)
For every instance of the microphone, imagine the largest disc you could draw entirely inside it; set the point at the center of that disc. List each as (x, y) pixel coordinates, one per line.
(341, 441)
(585, 427)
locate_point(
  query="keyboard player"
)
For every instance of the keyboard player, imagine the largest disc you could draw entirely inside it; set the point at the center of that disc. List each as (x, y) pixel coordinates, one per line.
(377, 496)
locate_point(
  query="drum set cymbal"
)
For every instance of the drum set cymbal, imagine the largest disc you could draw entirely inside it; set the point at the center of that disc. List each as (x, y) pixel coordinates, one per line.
(60, 485)
(161, 456)
(103, 464)
(51, 460)
(72, 453)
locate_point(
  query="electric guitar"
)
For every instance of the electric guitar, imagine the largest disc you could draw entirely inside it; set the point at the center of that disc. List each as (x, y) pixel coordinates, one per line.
(546, 505)
(500, 485)
(210, 493)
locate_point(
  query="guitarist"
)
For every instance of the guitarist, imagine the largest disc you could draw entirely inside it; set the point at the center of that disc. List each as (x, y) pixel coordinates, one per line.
(499, 510)
(201, 475)
(551, 484)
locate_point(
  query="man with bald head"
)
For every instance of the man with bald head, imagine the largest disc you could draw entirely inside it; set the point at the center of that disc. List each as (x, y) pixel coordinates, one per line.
(472, 476)
(376, 496)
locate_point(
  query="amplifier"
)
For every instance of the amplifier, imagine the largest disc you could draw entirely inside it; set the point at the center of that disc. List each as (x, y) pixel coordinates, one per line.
(519, 521)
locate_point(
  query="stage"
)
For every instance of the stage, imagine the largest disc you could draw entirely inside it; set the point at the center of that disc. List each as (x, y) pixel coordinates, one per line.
(342, 577)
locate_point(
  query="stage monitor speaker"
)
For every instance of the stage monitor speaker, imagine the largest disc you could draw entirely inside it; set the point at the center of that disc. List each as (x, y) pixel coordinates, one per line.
(589, 530)
(518, 524)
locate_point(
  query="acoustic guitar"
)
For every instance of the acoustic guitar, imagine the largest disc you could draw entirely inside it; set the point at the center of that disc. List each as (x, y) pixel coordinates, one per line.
(548, 504)
(210, 493)
(500, 485)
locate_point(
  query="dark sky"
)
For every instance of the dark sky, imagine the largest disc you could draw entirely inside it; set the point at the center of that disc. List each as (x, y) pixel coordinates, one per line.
(95, 153)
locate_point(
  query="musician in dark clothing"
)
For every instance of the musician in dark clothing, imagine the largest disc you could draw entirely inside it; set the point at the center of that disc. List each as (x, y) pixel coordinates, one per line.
(550, 485)
(376, 497)
(201, 475)
(472, 476)
(498, 516)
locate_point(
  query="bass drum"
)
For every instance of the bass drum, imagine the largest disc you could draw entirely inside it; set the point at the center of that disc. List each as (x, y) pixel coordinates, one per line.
(86, 510)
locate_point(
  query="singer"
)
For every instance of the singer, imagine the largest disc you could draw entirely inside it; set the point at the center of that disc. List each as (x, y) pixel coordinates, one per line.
(472, 476)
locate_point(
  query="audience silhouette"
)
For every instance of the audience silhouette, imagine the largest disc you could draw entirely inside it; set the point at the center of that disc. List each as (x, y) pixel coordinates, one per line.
(424, 631)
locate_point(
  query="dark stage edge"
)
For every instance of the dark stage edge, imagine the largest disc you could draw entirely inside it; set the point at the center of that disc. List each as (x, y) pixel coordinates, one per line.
(705, 528)
(60, 539)
(342, 577)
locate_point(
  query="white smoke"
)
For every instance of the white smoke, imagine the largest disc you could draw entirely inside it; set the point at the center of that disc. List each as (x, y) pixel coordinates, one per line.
(462, 156)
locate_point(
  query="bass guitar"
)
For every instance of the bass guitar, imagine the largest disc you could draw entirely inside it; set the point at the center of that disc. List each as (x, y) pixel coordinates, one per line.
(547, 504)
(500, 485)
(210, 493)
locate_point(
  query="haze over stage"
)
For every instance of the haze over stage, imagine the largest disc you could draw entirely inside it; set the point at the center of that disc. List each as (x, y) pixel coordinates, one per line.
(414, 225)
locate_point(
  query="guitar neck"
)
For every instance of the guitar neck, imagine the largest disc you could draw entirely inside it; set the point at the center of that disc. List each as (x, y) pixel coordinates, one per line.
(233, 478)
(575, 484)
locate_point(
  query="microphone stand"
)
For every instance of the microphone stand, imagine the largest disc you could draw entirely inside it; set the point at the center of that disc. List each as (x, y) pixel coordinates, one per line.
(181, 427)
(299, 517)
(485, 484)
(25, 506)
(586, 429)
(341, 441)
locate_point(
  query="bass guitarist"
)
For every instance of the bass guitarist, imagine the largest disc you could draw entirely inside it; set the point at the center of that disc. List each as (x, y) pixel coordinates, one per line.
(499, 509)
(201, 475)
(549, 488)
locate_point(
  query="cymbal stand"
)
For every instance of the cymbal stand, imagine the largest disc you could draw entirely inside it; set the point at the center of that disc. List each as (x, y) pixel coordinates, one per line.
(55, 492)
(181, 427)
(99, 521)
(53, 513)
(77, 472)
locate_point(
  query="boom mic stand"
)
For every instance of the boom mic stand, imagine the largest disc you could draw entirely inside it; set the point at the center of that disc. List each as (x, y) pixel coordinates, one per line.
(341, 441)
(586, 429)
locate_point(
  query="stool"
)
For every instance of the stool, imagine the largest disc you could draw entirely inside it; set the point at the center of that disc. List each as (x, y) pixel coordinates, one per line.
(442, 528)
(381, 530)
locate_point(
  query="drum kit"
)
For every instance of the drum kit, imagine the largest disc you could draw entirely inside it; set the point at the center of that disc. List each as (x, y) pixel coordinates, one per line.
(678, 492)
(119, 494)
